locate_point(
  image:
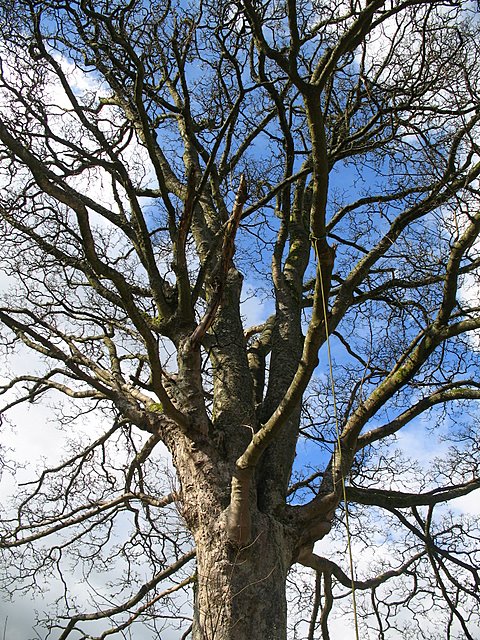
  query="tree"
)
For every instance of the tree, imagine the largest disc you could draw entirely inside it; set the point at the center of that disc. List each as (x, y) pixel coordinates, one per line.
(154, 157)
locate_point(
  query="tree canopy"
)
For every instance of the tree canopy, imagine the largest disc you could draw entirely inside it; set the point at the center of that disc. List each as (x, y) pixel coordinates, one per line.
(241, 240)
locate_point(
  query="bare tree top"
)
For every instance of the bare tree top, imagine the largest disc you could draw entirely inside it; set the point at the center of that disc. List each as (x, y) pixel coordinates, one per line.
(161, 163)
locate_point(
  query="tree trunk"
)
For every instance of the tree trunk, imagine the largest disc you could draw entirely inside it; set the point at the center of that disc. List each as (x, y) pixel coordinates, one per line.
(240, 594)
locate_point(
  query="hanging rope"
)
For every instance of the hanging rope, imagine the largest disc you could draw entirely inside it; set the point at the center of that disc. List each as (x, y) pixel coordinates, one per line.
(337, 430)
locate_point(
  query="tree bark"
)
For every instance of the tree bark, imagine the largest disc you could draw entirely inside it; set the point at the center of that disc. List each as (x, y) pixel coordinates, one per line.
(240, 594)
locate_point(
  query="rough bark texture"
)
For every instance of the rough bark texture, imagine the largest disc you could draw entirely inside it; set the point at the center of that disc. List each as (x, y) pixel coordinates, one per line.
(240, 593)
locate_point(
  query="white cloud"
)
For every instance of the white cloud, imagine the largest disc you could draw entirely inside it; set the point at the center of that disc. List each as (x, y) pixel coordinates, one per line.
(254, 307)
(417, 442)
(467, 505)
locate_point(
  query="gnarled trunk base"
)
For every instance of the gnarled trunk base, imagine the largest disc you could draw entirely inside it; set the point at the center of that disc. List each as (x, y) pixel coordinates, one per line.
(240, 594)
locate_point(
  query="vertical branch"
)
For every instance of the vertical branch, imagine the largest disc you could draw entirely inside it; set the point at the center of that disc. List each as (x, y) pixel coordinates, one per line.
(239, 522)
(185, 307)
(316, 606)
(220, 276)
(381, 634)
(327, 607)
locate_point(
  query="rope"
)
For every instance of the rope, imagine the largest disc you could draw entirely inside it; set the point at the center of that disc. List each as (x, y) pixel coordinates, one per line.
(337, 429)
